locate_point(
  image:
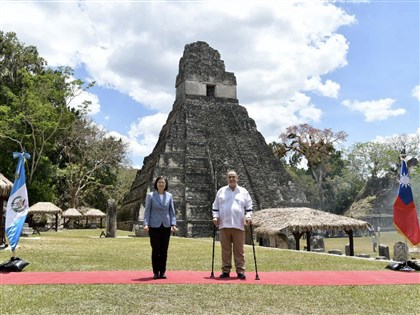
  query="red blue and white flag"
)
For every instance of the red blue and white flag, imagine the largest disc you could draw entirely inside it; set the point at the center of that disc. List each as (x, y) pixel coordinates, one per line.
(405, 213)
(18, 203)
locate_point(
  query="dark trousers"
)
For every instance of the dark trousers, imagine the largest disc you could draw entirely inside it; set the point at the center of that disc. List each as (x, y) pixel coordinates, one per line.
(159, 240)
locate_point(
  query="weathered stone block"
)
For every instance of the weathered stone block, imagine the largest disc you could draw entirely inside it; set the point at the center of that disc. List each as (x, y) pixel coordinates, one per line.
(335, 252)
(400, 251)
(347, 249)
(384, 251)
(363, 255)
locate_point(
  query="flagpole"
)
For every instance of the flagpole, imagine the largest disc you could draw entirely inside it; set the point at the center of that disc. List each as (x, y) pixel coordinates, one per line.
(402, 158)
(403, 155)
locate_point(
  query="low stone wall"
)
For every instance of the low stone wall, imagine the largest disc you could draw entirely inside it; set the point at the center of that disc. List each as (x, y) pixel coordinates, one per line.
(125, 225)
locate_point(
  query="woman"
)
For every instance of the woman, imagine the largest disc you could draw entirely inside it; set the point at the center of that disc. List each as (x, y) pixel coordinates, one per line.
(159, 221)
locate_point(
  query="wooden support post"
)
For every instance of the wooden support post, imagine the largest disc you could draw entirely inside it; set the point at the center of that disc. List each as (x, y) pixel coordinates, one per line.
(308, 241)
(351, 243)
(297, 239)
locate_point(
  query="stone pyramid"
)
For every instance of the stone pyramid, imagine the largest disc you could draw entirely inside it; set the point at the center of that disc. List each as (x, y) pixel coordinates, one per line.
(206, 134)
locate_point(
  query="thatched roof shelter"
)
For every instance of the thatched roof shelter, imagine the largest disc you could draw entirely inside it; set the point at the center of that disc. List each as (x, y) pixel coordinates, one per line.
(304, 220)
(46, 208)
(5, 187)
(271, 221)
(72, 213)
(94, 213)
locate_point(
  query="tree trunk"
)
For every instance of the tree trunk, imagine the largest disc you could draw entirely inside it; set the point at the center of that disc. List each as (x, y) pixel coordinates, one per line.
(318, 180)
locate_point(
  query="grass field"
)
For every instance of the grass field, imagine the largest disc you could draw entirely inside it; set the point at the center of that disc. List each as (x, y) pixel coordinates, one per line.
(77, 250)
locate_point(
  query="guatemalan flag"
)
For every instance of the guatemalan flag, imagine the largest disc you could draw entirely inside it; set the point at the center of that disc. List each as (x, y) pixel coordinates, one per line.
(18, 204)
(405, 213)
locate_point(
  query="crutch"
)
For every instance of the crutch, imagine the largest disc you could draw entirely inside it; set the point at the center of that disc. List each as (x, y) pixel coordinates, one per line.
(257, 277)
(212, 255)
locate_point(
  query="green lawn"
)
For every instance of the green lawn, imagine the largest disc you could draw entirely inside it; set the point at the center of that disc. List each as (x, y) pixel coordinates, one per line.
(73, 250)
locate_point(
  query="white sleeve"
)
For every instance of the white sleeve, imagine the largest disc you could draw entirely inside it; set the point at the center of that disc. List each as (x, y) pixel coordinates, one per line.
(248, 205)
(215, 206)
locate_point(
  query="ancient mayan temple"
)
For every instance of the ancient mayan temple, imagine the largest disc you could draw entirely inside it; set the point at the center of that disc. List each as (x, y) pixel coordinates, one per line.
(207, 133)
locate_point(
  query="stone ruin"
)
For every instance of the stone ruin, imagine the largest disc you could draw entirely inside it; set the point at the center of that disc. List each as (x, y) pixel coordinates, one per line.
(206, 134)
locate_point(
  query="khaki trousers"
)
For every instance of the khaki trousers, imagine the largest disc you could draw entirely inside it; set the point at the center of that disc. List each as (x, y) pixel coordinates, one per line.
(232, 239)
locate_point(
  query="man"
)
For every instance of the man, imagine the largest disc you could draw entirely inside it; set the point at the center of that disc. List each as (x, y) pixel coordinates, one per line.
(232, 208)
(374, 242)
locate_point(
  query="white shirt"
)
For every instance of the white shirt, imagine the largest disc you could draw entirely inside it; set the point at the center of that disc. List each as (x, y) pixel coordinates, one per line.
(230, 207)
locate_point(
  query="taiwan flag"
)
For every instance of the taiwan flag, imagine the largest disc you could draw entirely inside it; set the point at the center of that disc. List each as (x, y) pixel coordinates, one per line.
(17, 204)
(405, 213)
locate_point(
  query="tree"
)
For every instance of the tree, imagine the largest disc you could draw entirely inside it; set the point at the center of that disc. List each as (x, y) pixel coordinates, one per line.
(34, 111)
(405, 142)
(14, 59)
(37, 116)
(125, 179)
(304, 179)
(89, 160)
(315, 145)
(373, 159)
(341, 190)
(414, 174)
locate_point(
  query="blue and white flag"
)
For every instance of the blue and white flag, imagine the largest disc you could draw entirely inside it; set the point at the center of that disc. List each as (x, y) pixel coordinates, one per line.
(18, 203)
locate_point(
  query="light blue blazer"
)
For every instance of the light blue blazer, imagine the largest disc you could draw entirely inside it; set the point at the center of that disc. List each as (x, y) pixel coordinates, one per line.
(158, 212)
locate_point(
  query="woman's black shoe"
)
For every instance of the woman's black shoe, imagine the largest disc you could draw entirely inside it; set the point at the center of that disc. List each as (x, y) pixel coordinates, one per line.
(156, 276)
(162, 275)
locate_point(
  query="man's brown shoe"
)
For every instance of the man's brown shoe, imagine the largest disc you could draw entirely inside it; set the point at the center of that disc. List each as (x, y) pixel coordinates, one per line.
(241, 276)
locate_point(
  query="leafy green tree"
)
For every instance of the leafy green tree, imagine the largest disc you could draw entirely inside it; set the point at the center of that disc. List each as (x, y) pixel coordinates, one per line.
(125, 178)
(314, 145)
(372, 159)
(34, 112)
(30, 104)
(15, 59)
(341, 190)
(415, 185)
(410, 144)
(90, 160)
(304, 179)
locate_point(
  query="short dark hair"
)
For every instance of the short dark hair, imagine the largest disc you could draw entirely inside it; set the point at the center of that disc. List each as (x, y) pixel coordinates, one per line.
(157, 179)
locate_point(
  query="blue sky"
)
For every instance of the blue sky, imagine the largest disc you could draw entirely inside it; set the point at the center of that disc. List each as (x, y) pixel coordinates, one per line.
(344, 65)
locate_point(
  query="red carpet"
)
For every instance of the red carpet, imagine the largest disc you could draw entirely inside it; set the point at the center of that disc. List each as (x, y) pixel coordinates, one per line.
(307, 278)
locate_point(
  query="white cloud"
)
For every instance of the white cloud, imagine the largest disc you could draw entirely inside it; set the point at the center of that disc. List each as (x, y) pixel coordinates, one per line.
(415, 92)
(93, 107)
(277, 117)
(329, 88)
(143, 135)
(375, 110)
(279, 50)
(85, 101)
